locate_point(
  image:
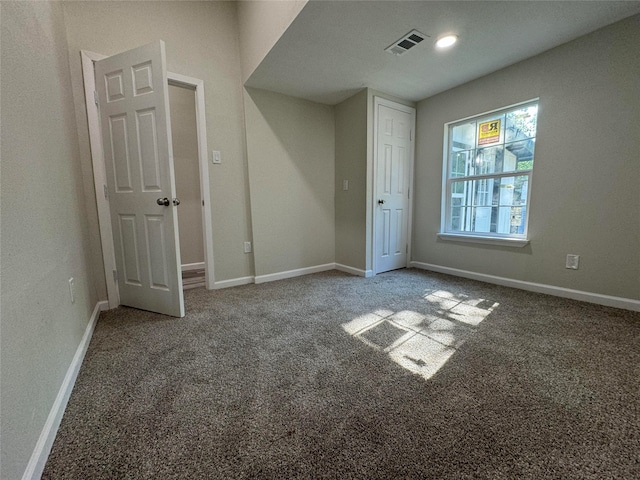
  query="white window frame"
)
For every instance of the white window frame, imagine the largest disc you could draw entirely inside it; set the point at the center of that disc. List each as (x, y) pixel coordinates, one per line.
(512, 240)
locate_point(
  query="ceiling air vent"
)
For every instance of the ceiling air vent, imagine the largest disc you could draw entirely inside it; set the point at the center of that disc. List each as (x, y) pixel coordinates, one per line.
(406, 43)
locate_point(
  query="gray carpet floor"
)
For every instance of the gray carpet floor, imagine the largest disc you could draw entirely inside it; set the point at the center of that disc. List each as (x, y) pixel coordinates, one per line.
(407, 374)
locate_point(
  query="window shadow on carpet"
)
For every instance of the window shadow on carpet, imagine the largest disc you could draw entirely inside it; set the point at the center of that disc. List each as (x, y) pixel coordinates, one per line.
(422, 342)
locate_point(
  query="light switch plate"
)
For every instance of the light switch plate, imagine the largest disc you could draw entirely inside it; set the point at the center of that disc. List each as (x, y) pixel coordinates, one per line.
(72, 289)
(216, 157)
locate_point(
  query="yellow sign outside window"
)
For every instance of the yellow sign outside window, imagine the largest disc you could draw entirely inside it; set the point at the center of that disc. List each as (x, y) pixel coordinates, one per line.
(489, 132)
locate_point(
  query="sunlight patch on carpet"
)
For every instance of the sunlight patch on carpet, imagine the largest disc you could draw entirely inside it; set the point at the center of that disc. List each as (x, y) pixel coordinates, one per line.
(422, 342)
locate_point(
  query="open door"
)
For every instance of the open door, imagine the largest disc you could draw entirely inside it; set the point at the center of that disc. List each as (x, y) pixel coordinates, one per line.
(134, 117)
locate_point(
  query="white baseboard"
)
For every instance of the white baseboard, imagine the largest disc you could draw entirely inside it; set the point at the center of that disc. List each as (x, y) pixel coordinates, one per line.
(271, 277)
(607, 300)
(187, 267)
(351, 270)
(38, 459)
(294, 273)
(234, 282)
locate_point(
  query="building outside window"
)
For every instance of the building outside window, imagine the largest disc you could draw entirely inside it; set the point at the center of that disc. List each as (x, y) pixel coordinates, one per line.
(489, 163)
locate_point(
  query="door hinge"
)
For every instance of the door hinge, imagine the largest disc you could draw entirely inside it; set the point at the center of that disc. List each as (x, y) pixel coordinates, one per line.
(410, 135)
(115, 276)
(95, 97)
(406, 248)
(106, 192)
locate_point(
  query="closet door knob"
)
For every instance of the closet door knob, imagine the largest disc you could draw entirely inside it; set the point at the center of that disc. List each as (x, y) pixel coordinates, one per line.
(176, 201)
(163, 201)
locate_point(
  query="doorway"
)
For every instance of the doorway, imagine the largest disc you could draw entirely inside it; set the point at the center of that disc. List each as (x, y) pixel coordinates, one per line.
(99, 173)
(182, 104)
(394, 126)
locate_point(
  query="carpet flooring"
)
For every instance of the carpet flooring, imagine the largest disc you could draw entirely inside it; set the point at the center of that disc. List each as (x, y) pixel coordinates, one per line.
(408, 374)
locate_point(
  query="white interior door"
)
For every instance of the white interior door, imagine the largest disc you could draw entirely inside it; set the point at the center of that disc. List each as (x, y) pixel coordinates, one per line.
(134, 116)
(392, 180)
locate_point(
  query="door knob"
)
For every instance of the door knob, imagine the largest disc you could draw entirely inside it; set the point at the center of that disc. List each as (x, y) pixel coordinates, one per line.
(176, 201)
(163, 201)
(380, 202)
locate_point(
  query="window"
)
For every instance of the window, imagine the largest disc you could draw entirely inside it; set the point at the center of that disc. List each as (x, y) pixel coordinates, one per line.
(489, 162)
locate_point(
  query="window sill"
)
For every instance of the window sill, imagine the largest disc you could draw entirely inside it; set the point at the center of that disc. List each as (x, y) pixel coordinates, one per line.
(505, 242)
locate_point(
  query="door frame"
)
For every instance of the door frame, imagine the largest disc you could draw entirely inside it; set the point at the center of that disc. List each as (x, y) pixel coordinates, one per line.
(100, 177)
(377, 102)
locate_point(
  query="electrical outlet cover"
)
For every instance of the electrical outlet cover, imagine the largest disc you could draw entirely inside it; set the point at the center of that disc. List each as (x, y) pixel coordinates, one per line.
(573, 262)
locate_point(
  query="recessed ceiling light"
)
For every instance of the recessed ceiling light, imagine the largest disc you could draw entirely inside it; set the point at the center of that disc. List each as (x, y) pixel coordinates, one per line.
(446, 41)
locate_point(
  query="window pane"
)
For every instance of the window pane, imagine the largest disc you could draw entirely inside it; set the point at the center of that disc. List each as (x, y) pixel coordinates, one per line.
(463, 137)
(458, 187)
(482, 191)
(511, 191)
(461, 219)
(488, 160)
(490, 130)
(455, 218)
(459, 161)
(519, 155)
(460, 193)
(521, 123)
(490, 205)
(518, 218)
(482, 219)
(520, 190)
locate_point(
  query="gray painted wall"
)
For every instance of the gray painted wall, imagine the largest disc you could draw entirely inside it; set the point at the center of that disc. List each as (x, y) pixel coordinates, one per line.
(187, 170)
(201, 42)
(351, 164)
(45, 231)
(261, 24)
(584, 194)
(291, 148)
(354, 161)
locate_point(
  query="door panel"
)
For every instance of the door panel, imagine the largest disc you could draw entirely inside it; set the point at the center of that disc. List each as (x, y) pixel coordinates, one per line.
(155, 230)
(388, 168)
(392, 188)
(148, 151)
(400, 225)
(400, 164)
(386, 229)
(133, 97)
(129, 243)
(120, 150)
